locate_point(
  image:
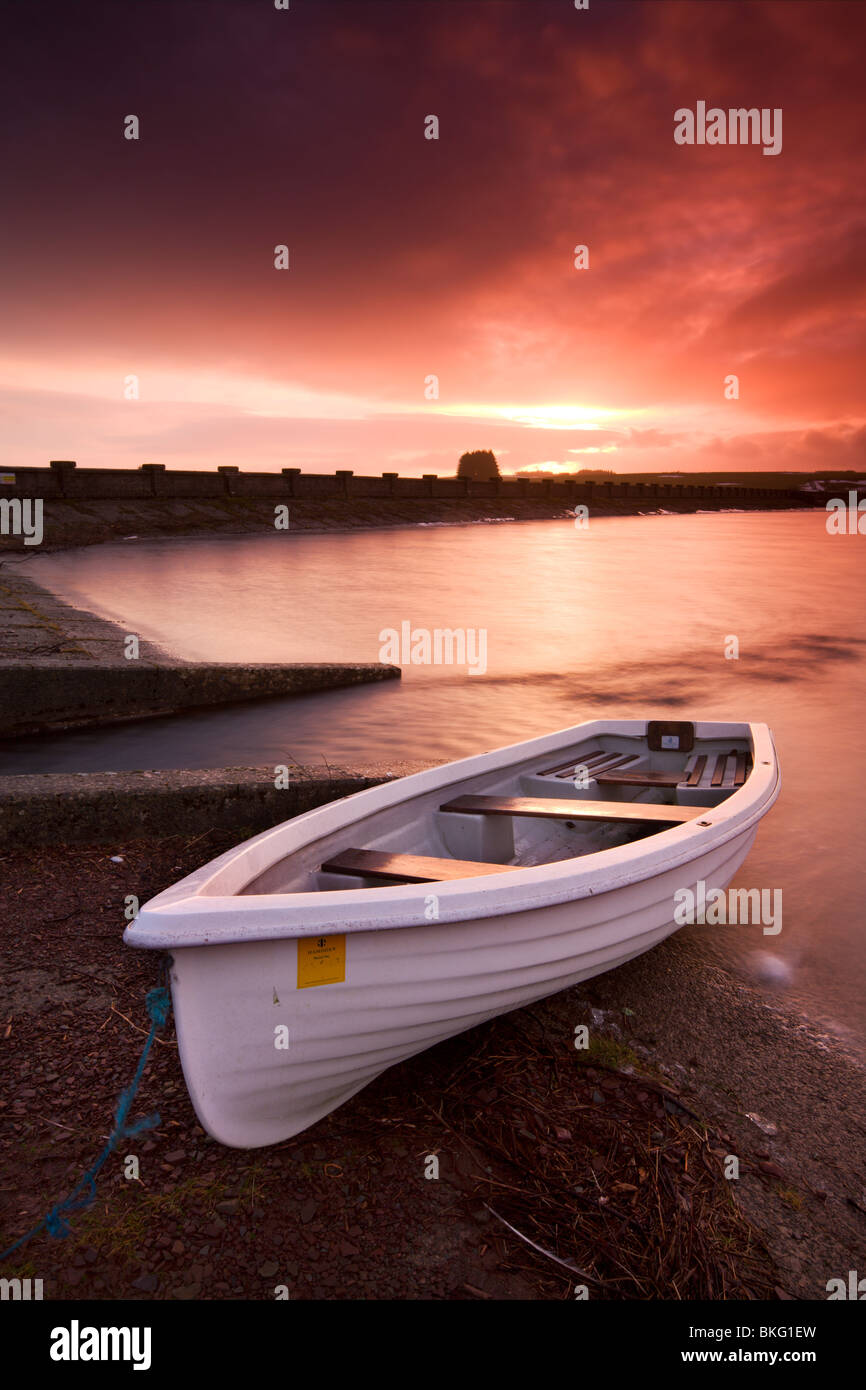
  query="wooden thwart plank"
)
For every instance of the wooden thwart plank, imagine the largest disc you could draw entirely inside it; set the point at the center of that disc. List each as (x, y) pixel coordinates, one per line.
(554, 809)
(590, 761)
(639, 779)
(606, 764)
(697, 771)
(409, 868)
(722, 773)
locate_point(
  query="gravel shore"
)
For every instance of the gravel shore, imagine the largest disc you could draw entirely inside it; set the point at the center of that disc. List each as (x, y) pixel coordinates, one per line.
(791, 1098)
(611, 1160)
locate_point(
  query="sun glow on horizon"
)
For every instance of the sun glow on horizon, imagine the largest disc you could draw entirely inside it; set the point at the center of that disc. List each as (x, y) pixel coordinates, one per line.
(545, 417)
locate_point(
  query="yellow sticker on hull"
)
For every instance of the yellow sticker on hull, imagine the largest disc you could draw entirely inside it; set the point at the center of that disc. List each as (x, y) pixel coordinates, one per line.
(321, 961)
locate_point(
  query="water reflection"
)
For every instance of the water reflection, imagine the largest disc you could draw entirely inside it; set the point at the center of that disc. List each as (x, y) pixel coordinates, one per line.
(632, 616)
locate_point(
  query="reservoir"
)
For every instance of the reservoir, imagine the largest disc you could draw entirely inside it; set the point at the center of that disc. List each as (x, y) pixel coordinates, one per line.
(728, 616)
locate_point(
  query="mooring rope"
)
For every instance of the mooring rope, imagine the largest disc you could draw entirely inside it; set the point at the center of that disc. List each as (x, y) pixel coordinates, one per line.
(158, 1004)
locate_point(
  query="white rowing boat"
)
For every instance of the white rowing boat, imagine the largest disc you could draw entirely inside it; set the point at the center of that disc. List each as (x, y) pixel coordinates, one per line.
(312, 957)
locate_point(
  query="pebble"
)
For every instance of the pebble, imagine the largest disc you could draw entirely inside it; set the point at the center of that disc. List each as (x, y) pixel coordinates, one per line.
(188, 1291)
(147, 1283)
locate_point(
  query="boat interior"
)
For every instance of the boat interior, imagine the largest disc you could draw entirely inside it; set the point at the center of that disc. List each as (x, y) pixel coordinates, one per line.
(608, 790)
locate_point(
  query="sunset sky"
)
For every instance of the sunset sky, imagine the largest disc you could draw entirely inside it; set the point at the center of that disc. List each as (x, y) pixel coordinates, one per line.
(411, 257)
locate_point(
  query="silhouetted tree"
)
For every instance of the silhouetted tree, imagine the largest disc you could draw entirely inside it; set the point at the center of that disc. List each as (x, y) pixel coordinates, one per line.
(479, 464)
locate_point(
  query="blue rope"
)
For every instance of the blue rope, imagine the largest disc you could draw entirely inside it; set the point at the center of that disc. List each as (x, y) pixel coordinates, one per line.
(158, 1006)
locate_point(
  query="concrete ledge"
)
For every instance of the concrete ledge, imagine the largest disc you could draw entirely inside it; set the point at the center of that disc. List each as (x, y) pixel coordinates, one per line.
(70, 522)
(41, 697)
(62, 668)
(111, 807)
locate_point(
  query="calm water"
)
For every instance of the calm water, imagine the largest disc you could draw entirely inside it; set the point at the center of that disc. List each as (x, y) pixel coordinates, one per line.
(630, 617)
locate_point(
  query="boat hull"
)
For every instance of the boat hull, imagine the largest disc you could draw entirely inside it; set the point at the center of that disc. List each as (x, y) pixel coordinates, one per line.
(405, 989)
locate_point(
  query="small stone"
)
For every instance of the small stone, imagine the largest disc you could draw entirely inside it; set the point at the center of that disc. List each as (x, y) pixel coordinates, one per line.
(228, 1207)
(147, 1283)
(188, 1291)
(176, 1156)
(308, 1210)
(772, 1170)
(269, 1269)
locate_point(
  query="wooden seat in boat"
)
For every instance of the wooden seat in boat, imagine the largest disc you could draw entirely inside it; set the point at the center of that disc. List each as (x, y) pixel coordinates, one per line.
(720, 776)
(549, 807)
(723, 774)
(593, 762)
(639, 779)
(408, 868)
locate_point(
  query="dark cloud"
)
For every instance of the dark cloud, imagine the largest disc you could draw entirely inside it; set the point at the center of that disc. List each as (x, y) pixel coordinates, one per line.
(452, 257)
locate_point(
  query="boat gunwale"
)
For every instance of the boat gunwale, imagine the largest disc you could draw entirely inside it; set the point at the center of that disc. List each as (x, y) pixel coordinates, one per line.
(187, 915)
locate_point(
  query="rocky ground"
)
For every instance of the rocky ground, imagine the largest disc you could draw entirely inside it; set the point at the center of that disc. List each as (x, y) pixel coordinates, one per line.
(558, 1167)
